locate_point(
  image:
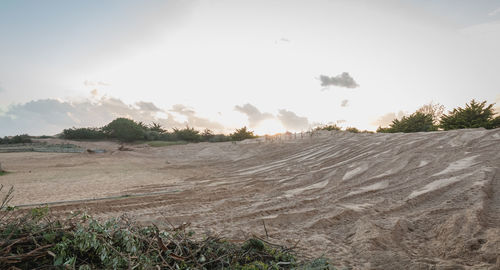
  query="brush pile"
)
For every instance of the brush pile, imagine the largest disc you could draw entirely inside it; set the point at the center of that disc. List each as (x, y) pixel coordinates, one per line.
(31, 239)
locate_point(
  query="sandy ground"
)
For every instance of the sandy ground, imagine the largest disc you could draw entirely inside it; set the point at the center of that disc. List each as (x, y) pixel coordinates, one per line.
(366, 201)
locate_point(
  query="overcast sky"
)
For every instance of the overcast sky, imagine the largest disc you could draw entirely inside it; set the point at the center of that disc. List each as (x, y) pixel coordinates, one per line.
(222, 64)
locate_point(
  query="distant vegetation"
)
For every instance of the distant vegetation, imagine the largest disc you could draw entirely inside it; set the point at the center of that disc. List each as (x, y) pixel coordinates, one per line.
(474, 115)
(334, 127)
(124, 129)
(24, 138)
(127, 130)
(430, 117)
(328, 127)
(242, 134)
(416, 122)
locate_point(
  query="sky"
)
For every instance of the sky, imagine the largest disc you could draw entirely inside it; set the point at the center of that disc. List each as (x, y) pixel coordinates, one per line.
(223, 64)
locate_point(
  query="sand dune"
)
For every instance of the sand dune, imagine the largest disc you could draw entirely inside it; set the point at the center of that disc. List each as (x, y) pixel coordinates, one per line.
(366, 201)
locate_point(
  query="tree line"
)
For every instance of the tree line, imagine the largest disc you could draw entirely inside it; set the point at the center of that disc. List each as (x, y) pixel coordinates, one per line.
(128, 130)
(431, 117)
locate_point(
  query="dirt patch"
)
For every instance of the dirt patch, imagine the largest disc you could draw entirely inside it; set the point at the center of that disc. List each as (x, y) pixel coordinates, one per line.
(366, 201)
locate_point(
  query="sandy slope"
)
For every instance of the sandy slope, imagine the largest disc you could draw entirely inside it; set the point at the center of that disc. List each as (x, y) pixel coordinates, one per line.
(368, 201)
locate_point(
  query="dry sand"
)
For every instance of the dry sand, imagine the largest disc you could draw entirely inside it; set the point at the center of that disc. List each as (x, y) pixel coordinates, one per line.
(366, 201)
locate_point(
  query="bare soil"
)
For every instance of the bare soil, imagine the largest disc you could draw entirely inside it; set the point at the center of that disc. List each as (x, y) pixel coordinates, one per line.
(366, 201)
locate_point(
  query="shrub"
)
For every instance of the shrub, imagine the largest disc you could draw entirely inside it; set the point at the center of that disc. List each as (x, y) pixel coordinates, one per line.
(207, 135)
(124, 129)
(152, 135)
(187, 134)
(474, 115)
(220, 138)
(23, 138)
(242, 134)
(83, 133)
(168, 136)
(328, 127)
(352, 130)
(156, 127)
(416, 122)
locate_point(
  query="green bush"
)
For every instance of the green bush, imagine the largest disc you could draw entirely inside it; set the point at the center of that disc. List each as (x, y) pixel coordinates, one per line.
(187, 134)
(156, 127)
(152, 135)
(124, 129)
(167, 136)
(242, 134)
(23, 138)
(220, 138)
(352, 130)
(474, 115)
(328, 127)
(207, 135)
(416, 122)
(83, 134)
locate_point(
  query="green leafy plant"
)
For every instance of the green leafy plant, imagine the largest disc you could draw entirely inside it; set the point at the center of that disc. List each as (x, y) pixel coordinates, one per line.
(23, 138)
(328, 127)
(157, 127)
(474, 115)
(352, 130)
(83, 134)
(416, 122)
(124, 129)
(207, 135)
(187, 134)
(242, 134)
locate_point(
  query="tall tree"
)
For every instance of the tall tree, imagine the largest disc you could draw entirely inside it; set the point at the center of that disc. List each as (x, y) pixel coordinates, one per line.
(474, 115)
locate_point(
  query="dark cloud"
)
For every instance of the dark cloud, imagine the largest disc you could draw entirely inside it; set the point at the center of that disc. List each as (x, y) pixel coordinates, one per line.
(342, 80)
(195, 121)
(292, 121)
(344, 103)
(253, 114)
(386, 119)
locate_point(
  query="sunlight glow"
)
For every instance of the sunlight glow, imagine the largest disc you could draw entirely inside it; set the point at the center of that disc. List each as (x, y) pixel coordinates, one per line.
(269, 127)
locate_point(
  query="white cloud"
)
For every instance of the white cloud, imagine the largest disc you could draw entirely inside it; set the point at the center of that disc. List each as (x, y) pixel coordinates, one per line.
(292, 121)
(494, 12)
(51, 116)
(386, 119)
(93, 84)
(255, 117)
(195, 121)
